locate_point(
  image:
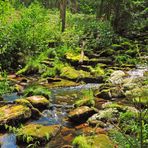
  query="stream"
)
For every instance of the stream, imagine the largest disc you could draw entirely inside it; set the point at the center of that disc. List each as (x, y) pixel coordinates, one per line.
(61, 102)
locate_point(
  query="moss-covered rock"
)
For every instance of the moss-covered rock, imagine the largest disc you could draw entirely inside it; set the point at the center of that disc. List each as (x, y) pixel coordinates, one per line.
(11, 114)
(37, 132)
(62, 83)
(39, 102)
(23, 102)
(75, 57)
(97, 141)
(81, 114)
(35, 112)
(72, 74)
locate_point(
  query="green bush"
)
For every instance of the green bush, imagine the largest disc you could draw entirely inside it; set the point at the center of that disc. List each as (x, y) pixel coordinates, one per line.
(27, 32)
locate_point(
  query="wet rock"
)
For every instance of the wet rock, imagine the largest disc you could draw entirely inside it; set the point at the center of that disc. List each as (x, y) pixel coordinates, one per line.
(81, 114)
(39, 102)
(12, 114)
(37, 132)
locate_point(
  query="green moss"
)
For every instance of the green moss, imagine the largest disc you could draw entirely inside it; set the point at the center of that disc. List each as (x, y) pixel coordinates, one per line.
(75, 57)
(71, 73)
(101, 141)
(97, 141)
(97, 71)
(23, 102)
(62, 83)
(37, 132)
(81, 142)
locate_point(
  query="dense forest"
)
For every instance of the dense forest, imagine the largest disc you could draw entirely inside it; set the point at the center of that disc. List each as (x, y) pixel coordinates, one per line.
(74, 73)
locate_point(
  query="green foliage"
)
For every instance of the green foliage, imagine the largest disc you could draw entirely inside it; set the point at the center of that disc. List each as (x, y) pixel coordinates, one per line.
(37, 90)
(81, 142)
(98, 34)
(5, 86)
(27, 33)
(121, 140)
(86, 99)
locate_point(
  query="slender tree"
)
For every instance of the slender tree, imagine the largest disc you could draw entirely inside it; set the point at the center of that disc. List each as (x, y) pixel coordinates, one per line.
(63, 4)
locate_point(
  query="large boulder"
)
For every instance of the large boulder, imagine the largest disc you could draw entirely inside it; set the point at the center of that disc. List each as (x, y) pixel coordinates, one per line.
(81, 114)
(13, 113)
(37, 132)
(39, 102)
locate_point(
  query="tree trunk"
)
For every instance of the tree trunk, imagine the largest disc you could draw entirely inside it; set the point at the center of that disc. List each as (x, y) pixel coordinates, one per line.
(63, 4)
(99, 10)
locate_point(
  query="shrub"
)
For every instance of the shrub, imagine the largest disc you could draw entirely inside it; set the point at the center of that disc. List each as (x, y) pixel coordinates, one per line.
(27, 33)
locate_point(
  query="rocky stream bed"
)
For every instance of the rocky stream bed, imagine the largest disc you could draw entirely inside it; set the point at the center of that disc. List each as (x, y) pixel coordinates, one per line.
(54, 122)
